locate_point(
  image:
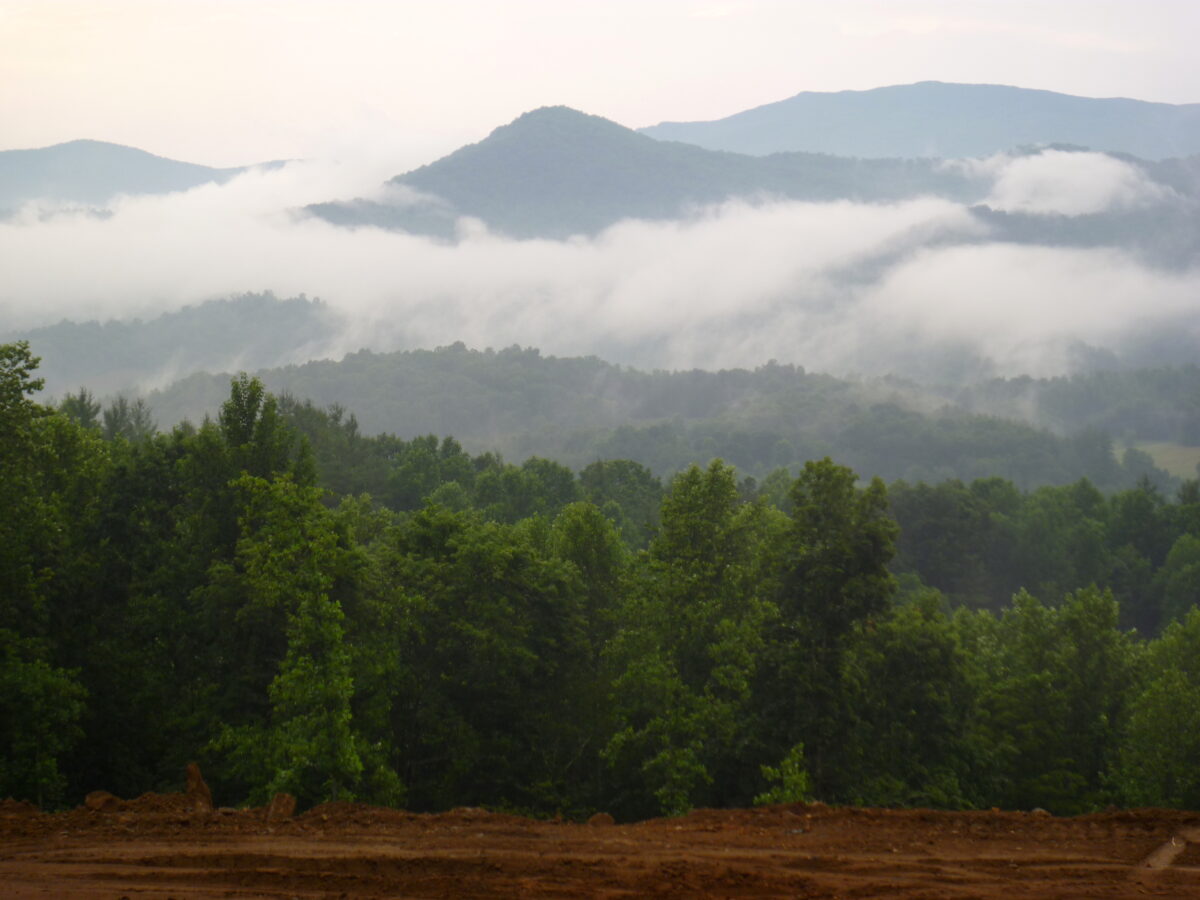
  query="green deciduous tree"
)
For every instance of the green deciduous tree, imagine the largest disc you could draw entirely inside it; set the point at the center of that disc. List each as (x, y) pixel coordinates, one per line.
(789, 781)
(1052, 687)
(50, 473)
(629, 492)
(1179, 578)
(491, 645)
(832, 575)
(909, 697)
(687, 650)
(40, 711)
(1157, 765)
(287, 558)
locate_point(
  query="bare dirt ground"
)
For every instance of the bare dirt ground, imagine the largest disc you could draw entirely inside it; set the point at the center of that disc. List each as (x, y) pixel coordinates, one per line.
(156, 847)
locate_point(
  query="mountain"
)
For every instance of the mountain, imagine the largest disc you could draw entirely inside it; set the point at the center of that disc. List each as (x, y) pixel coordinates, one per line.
(91, 173)
(555, 172)
(576, 410)
(936, 119)
(247, 332)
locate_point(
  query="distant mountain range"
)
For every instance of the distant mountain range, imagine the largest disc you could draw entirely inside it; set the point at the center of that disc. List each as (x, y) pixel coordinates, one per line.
(252, 331)
(555, 172)
(91, 173)
(935, 119)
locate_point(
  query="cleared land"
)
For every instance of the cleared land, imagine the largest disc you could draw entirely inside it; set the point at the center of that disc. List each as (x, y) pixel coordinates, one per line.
(1177, 459)
(156, 847)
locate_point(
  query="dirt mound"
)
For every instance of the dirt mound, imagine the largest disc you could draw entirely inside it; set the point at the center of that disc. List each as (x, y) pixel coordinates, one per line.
(151, 803)
(342, 814)
(102, 801)
(281, 808)
(17, 809)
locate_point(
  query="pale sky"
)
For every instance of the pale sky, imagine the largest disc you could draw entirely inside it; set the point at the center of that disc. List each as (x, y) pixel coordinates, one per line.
(230, 82)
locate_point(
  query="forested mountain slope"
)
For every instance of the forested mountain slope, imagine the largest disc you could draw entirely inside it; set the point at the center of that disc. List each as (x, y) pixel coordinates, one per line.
(251, 331)
(569, 408)
(576, 410)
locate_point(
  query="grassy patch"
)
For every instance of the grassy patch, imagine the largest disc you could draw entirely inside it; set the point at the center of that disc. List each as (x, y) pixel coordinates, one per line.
(1177, 459)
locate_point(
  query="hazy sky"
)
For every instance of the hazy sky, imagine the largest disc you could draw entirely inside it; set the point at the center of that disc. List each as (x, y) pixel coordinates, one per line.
(227, 82)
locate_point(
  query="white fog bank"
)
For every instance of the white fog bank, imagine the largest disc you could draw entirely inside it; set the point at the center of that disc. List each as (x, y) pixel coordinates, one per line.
(839, 287)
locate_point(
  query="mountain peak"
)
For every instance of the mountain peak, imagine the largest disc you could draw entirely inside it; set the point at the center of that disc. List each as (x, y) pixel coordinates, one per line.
(553, 165)
(564, 122)
(553, 112)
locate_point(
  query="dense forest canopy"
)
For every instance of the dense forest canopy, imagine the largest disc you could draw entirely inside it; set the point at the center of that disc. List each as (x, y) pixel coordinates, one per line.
(300, 606)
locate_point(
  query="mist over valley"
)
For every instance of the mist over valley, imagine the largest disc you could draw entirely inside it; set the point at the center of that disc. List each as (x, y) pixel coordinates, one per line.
(575, 235)
(903, 295)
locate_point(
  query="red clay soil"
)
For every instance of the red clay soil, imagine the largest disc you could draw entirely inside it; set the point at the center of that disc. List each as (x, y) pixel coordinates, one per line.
(156, 847)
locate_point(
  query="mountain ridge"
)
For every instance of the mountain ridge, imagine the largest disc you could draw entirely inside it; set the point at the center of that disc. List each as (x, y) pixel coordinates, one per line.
(975, 120)
(555, 172)
(946, 119)
(92, 172)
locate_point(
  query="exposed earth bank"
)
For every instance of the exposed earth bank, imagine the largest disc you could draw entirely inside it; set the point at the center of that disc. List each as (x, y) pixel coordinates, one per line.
(160, 846)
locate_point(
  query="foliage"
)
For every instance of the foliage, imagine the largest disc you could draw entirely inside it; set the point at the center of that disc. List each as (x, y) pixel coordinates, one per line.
(128, 419)
(790, 781)
(1052, 689)
(522, 636)
(1157, 765)
(40, 711)
(693, 630)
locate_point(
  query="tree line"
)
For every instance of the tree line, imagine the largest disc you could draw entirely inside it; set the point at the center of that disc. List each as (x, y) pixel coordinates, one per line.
(528, 638)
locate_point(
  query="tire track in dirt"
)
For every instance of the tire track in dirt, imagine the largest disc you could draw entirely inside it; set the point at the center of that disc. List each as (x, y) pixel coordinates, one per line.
(158, 847)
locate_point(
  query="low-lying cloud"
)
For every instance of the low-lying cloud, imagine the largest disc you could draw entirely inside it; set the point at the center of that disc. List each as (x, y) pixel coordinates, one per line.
(1065, 183)
(840, 287)
(1072, 184)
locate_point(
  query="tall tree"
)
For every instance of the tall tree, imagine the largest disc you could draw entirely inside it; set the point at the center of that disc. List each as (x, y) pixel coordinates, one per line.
(1157, 765)
(1052, 687)
(287, 556)
(50, 470)
(127, 419)
(688, 646)
(82, 408)
(833, 574)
